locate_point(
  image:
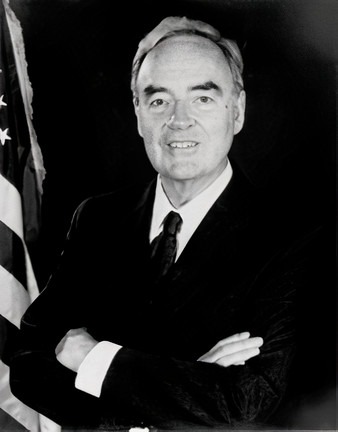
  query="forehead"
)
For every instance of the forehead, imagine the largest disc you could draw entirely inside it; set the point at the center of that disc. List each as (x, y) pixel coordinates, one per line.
(184, 58)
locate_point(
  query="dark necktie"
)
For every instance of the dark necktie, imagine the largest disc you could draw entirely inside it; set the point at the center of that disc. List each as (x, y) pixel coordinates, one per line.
(164, 246)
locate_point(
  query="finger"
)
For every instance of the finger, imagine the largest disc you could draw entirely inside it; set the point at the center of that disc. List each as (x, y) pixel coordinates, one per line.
(239, 346)
(240, 342)
(70, 333)
(230, 339)
(222, 342)
(238, 357)
(234, 338)
(77, 331)
(234, 347)
(60, 345)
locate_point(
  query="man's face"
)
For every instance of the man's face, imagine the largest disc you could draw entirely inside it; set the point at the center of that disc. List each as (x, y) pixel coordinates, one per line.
(187, 109)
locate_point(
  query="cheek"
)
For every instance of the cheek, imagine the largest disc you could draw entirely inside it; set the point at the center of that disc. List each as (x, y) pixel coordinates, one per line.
(147, 128)
(151, 139)
(220, 135)
(219, 127)
(219, 119)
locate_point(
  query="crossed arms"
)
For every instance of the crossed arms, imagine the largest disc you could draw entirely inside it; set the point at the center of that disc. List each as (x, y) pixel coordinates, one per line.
(149, 386)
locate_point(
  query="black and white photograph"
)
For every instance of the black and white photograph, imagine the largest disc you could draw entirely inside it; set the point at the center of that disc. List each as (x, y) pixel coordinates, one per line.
(168, 215)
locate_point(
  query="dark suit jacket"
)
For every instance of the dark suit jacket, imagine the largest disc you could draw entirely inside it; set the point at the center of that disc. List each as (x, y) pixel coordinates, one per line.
(239, 272)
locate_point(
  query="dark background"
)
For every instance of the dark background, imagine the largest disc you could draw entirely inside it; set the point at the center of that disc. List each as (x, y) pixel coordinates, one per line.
(79, 54)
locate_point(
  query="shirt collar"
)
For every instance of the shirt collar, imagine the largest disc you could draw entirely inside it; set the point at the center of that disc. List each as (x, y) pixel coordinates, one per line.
(193, 211)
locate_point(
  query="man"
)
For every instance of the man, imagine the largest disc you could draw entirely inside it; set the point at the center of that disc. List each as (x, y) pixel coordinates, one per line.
(157, 320)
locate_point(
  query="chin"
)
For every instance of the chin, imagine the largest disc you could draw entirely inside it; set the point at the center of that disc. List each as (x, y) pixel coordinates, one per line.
(186, 172)
(181, 177)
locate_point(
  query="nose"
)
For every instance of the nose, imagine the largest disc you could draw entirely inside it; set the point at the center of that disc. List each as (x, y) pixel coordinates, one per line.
(180, 118)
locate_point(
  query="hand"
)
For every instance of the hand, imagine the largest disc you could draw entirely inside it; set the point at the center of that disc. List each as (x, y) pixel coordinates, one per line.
(73, 348)
(234, 350)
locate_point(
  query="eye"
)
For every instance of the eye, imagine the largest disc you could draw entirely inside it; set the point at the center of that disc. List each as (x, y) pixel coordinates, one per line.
(158, 103)
(204, 100)
(204, 103)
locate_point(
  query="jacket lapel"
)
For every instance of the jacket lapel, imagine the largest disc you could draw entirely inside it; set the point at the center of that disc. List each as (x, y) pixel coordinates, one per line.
(229, 213)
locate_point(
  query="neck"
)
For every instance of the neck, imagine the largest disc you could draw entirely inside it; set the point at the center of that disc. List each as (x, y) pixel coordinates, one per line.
(179, 192)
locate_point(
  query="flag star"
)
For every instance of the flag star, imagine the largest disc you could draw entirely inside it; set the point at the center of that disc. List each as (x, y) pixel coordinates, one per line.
(4, 136)
(2, 103)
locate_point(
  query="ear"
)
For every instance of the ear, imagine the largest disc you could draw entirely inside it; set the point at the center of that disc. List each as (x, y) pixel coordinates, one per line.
(136, 103)
(239, 108)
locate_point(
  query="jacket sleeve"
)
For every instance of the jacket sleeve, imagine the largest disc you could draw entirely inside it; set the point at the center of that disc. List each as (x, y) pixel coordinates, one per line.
(142, 388)
(36, 377)
(168, 392)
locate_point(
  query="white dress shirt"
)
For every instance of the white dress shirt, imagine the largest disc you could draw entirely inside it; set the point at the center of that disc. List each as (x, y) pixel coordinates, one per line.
(94, 367)
(191, 212)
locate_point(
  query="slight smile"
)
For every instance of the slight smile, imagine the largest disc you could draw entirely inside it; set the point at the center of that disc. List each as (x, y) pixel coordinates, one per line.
(182, 144)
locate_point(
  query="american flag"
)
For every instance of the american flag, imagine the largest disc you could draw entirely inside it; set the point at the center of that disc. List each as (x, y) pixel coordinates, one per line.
(21, 177)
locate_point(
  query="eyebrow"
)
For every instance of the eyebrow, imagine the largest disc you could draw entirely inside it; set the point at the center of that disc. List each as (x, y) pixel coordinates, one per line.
(150, 90)
(208, 85)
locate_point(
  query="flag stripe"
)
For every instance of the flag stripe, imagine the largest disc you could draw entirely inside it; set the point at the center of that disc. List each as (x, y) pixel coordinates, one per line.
(14, 297)
(12, 254)
(12, 405)
(10, 208)
(8, 423)
(7, 161)
(21, 175)
(9, 340)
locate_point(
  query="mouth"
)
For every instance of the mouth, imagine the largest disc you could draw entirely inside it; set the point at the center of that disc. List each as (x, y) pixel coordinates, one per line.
(182, 144)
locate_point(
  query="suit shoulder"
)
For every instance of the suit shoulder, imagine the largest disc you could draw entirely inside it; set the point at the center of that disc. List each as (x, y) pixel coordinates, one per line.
(122, 201)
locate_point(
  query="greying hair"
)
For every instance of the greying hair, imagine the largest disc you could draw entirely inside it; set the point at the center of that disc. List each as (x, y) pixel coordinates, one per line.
(229, 48)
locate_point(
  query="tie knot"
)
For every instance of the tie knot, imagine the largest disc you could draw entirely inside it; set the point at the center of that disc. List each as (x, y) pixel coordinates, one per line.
(172, 223)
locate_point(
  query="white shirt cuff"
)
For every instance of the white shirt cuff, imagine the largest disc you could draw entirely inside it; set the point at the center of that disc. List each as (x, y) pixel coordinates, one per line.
(93, 369)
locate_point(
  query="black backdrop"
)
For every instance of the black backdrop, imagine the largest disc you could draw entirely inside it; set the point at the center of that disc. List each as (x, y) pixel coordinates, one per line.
(79, 54)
